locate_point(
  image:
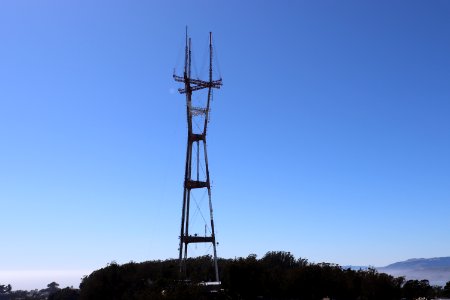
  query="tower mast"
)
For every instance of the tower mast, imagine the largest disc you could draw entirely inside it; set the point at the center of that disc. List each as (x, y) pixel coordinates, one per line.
(196, 138)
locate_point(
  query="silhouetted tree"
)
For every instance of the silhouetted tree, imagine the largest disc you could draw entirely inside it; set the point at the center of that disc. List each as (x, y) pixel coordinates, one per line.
(446, 290)
(4, 289)
(413, 289)
(53, 285)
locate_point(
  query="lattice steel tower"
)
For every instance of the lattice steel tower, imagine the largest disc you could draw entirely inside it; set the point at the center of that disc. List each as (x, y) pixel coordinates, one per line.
(196, 143)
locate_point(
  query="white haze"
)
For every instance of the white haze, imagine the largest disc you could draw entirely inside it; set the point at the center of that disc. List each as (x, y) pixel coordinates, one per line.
(38, 279)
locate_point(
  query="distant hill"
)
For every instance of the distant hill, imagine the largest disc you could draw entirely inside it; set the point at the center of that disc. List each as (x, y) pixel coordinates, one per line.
(436, 270)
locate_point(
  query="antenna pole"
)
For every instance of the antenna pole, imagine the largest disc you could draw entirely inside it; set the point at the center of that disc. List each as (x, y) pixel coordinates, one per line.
(210, 56)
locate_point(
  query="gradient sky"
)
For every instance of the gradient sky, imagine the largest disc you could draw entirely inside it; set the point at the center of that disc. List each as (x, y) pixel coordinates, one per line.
(329, 139)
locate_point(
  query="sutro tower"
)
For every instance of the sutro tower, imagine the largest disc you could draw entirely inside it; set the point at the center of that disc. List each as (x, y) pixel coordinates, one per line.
(198, 114)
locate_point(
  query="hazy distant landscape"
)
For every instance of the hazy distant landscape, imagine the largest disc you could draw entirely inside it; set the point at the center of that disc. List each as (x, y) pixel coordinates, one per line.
(436, 270)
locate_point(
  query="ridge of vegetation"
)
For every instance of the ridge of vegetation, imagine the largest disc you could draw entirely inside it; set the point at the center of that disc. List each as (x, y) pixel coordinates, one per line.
(277, 275)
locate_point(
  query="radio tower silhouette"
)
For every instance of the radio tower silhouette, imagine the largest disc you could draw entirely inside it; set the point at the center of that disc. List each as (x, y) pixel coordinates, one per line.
(196, 137)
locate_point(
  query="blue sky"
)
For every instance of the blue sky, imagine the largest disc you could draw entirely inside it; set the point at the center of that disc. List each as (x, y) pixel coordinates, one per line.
(330, 137)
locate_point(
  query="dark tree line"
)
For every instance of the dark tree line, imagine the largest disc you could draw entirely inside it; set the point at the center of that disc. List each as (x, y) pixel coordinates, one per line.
(277, 275)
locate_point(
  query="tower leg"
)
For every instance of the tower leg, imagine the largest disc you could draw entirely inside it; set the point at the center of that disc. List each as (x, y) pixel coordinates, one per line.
(211, 212)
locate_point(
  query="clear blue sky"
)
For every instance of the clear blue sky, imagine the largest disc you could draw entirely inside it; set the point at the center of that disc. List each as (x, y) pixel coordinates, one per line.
(329, 139)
